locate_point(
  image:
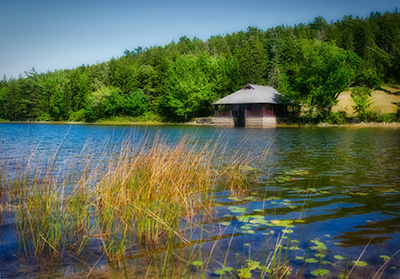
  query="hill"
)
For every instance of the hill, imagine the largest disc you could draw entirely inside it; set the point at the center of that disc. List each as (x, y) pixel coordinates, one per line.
(309, 63)
(384, 100)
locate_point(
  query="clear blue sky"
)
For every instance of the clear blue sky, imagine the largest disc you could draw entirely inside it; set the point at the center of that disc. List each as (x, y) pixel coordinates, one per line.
(60, 34)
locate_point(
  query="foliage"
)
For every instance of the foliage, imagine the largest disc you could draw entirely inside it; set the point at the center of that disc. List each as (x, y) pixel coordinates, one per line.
(188, 88)
(309, 63)
(382, 117)
(361, 96)
(337, 117)
(319, 72)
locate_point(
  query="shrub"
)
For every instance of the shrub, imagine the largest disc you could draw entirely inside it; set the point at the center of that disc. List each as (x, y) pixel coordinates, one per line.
(361, 97)
(387, 117)
(77, 115)
(44, 117)
(339, 117)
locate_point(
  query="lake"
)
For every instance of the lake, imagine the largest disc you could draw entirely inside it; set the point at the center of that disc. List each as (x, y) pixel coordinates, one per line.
(333, 194)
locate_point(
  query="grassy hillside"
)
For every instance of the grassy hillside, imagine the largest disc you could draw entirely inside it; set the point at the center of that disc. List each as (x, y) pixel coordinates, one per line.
(385, 100)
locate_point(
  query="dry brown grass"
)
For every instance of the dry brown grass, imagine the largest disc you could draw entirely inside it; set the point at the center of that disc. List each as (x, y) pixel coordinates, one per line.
(383, 102)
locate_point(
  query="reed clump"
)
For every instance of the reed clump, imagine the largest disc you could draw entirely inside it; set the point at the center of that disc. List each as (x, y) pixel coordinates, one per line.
(131, 199)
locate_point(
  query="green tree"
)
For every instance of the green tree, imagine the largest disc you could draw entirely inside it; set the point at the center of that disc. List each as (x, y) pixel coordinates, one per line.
(361, 96)
(317, 75)
(188, 91)
(97, 102)
(252, 57)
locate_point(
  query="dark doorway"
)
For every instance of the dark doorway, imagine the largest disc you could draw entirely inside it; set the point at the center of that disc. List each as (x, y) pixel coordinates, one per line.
(240, 120)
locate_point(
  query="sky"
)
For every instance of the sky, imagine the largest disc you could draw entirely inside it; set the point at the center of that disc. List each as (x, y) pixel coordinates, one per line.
(63, 34)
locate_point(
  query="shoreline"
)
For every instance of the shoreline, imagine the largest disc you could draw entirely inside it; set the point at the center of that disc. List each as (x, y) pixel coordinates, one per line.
(153, 123)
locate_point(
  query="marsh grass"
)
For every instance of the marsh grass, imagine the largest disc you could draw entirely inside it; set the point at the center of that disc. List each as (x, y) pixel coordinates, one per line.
(130, 200)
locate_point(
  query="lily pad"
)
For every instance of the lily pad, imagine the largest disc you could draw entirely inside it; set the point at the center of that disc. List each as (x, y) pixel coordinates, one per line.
(243, 218)
(197, 263)
(225, 223)
(253, 264)
(245, 227)
(360, 263)
(311, 260)
(319, 272)
(244, 273)
(319, 245)
(237, 209)
(223, 270)
(282, 223)
(385, 257)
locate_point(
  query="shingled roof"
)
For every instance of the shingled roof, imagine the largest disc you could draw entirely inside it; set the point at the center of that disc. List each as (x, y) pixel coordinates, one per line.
(251, 94)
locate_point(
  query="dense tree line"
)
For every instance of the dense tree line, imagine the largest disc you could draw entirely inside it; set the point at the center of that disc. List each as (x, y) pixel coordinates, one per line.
(309, 63)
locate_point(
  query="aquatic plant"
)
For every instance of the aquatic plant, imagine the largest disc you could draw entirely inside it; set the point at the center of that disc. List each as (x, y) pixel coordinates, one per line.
(132, 199)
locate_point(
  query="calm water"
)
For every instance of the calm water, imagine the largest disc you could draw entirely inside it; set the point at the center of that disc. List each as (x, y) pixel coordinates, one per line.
(342, 183)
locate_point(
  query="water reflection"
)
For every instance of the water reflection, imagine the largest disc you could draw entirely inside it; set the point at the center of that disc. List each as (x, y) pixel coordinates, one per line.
(351, 191)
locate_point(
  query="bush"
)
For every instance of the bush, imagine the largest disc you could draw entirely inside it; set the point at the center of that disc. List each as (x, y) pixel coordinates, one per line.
(361, 96)
(44, 117)
(387, 117)
(77, 115)
(339, 117)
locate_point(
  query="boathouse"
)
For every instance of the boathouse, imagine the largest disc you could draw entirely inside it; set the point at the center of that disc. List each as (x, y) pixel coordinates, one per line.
(252, 106)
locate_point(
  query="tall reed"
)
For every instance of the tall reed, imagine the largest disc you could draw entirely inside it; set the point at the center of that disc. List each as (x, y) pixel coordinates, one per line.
(130, 199)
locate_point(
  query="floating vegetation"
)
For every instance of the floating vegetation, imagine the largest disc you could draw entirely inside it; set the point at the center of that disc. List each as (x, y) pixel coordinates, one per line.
(197, 263)
(360, 263)
(224, 270)
(319, 246)
(320, 255)
(338, 257)
(225, 223)
(237, 209)
(311, 260)
(320, 272)
(282, 223)
(291, 175)
(245, 272)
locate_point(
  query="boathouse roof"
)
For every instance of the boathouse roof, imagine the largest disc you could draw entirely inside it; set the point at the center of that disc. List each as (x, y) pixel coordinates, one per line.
(251, 94)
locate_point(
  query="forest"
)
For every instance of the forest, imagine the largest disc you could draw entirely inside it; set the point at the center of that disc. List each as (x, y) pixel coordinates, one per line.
(310, 64)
